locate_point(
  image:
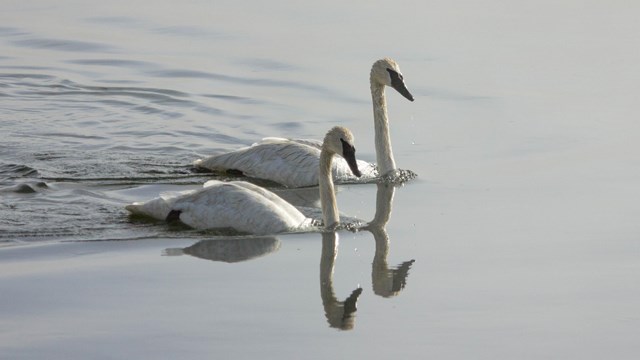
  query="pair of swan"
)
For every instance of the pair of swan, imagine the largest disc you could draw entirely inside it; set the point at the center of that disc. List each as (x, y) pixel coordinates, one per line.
(248, 208)
(294, 162)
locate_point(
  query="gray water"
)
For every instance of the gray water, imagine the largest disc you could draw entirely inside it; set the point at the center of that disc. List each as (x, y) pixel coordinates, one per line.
(519, 239)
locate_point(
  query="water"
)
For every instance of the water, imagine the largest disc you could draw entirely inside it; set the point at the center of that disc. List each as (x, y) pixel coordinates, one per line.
(519, 239)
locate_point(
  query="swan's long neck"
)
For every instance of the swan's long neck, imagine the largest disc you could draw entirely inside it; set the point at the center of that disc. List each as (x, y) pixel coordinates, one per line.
(327, 195)
(384, 154)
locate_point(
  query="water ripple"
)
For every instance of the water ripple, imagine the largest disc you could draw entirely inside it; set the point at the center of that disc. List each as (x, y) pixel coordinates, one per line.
(119, 20)
(155, 100)
(113, 62)
(181, 73)
(11, 171)
(267, 64)
(62, 45)
(25, 188)
(190, 32)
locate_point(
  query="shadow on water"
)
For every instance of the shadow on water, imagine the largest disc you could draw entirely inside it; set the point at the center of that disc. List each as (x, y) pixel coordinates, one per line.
(387, 281)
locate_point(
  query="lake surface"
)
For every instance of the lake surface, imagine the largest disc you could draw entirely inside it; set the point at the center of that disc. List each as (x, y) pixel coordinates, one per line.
(519, 239)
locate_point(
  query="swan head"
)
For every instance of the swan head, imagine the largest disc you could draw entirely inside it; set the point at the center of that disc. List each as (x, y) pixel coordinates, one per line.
(339, 140)
(387, 72)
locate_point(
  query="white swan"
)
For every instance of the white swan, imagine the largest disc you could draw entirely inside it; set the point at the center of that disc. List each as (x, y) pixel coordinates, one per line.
(248, 208)
(290, 161)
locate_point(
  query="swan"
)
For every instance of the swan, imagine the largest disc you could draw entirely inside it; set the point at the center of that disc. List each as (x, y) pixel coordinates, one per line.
(290, 162)
(248, 208)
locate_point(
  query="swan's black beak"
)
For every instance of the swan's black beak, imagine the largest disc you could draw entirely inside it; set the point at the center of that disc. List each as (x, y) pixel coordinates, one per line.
(349, 154)
(397, 82)
(402, 89)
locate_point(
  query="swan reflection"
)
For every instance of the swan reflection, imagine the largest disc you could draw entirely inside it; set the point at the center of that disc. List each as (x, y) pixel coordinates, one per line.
(386, 281)
(229, 250)
(340, 314)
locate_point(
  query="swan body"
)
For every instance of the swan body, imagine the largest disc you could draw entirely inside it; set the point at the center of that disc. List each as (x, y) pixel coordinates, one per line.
(248, 208)
(290, 161)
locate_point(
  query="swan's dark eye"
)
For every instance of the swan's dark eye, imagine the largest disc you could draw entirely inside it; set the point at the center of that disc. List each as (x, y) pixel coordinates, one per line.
(395, 75)
(347, 148)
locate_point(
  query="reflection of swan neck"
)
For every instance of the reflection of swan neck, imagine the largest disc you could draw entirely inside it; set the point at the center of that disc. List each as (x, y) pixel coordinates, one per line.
(384, 200)
(340, 314)
(382, 248)
(327, 195)
(327, 261)
(386, 281)
(328, 257)
(384, 154)
(382, 278)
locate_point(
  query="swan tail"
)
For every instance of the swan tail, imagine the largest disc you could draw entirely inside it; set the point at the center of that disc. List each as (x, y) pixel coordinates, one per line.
(135, 208)
(157, 208)
(212, 163)
(222, 162)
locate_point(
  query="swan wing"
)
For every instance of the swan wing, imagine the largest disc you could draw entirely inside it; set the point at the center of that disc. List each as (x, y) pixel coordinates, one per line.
(309, 142)
(286, 162)
(292, 163)
(269, 196)
(284, 206)
(159, 207)
(238, 205)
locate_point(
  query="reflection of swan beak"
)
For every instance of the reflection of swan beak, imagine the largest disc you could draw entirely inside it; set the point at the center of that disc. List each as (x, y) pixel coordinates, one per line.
(342, 315)
(350, 303)
(350, 307)
(388, 282)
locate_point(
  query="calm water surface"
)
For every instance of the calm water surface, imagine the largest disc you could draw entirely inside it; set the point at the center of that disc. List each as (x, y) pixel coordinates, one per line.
(519, 239)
